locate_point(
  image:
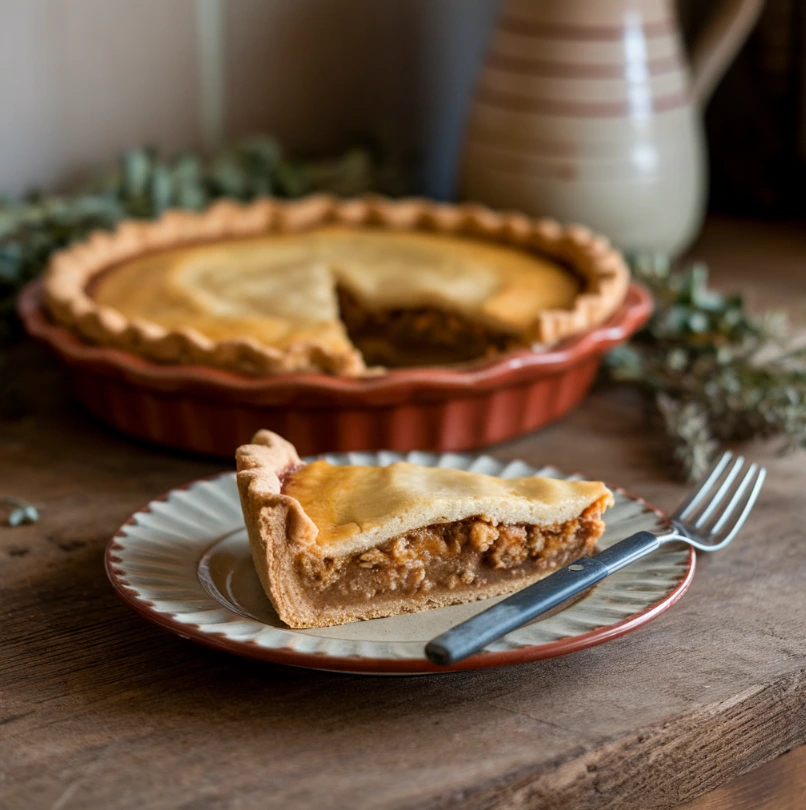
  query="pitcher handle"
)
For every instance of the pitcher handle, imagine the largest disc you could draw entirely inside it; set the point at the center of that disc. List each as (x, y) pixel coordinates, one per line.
(719, 42)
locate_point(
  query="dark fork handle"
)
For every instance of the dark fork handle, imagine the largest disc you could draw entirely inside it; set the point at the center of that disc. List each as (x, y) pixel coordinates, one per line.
(469, 637)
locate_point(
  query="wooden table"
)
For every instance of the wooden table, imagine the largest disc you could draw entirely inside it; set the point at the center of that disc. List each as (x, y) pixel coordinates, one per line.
(102, 710)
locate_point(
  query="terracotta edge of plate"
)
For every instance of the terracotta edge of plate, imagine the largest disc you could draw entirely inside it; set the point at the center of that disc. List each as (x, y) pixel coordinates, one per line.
(380, 666)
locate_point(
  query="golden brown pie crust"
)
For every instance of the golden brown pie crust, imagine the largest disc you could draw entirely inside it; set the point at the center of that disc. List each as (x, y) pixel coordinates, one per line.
(73, 270)
(328, 572)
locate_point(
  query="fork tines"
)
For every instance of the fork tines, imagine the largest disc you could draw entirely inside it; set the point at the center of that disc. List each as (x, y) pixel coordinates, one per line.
(732, 481)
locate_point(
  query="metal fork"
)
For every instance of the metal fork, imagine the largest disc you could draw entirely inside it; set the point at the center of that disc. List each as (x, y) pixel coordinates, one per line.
(702, 520)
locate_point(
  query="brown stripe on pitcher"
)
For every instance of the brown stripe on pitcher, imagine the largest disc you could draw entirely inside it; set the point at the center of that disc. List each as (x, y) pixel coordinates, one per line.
(547, 30)
(576, 109)
(561, 70)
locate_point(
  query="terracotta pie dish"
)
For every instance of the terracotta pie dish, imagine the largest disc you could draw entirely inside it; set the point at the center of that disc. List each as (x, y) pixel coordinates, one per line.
(226, 352)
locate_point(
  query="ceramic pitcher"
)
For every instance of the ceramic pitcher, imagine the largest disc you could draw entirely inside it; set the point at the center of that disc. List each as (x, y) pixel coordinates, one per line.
(586, 111)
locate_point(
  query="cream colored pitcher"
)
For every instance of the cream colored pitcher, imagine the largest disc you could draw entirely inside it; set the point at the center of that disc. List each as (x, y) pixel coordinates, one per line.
(586, 111)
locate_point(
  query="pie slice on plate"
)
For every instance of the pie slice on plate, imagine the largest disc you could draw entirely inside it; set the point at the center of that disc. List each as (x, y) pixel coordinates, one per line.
(334, 544)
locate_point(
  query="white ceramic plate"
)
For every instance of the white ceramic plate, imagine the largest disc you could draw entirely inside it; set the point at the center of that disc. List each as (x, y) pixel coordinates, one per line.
(183, 562)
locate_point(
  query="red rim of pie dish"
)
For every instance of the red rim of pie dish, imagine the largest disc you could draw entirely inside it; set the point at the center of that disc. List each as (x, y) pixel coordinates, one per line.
(385, 666)
(479, 375)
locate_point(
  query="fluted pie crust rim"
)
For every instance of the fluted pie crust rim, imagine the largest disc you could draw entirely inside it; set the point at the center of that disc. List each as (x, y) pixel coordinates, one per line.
(71, 272)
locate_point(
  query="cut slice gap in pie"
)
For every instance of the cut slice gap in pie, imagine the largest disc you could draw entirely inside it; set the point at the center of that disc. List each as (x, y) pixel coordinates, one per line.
(417, 336)
(340, 543)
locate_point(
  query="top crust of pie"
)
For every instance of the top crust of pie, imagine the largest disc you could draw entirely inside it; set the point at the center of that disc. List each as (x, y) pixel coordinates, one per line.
(349, 509)
(252, 288)
(196, 287)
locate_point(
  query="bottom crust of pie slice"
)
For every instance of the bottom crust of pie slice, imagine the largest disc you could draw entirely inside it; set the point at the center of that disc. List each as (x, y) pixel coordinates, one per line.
(432, 566)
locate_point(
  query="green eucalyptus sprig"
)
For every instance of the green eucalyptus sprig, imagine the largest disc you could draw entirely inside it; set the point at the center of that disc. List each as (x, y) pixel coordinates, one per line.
(712, 371)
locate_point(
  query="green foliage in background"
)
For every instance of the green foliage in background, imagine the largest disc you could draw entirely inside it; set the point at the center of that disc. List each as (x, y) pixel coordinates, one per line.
(713, 372)
(144, 185)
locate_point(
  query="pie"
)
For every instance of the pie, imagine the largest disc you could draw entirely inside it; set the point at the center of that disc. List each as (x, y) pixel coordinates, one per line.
(336, 287)
(339, 543)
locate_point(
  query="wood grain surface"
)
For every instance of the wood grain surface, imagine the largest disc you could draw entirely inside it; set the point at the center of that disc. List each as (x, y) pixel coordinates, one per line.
(99, 709)
(778, 785)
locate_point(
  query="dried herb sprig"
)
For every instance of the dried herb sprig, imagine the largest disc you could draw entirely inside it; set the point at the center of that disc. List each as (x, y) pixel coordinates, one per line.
(712, 371)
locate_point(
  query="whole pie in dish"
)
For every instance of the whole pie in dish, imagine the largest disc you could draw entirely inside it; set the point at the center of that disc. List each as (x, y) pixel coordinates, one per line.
(337, 287)
(335, 544)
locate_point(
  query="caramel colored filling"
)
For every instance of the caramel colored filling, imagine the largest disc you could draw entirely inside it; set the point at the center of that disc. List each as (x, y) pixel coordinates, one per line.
(417, 336)
(444, 557)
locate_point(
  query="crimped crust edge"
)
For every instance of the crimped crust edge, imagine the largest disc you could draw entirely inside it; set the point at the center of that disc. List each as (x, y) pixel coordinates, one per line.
(71, 271)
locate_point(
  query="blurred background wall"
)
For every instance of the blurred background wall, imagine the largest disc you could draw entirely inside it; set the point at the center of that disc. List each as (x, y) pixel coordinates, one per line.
(80, 80)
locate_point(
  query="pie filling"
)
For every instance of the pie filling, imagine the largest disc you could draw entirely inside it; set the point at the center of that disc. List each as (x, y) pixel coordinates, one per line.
(446, 557)
(417, 335)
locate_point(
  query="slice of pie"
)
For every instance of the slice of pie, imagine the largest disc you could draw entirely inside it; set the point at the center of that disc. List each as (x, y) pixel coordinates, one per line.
(334, 544)
(322, 285)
